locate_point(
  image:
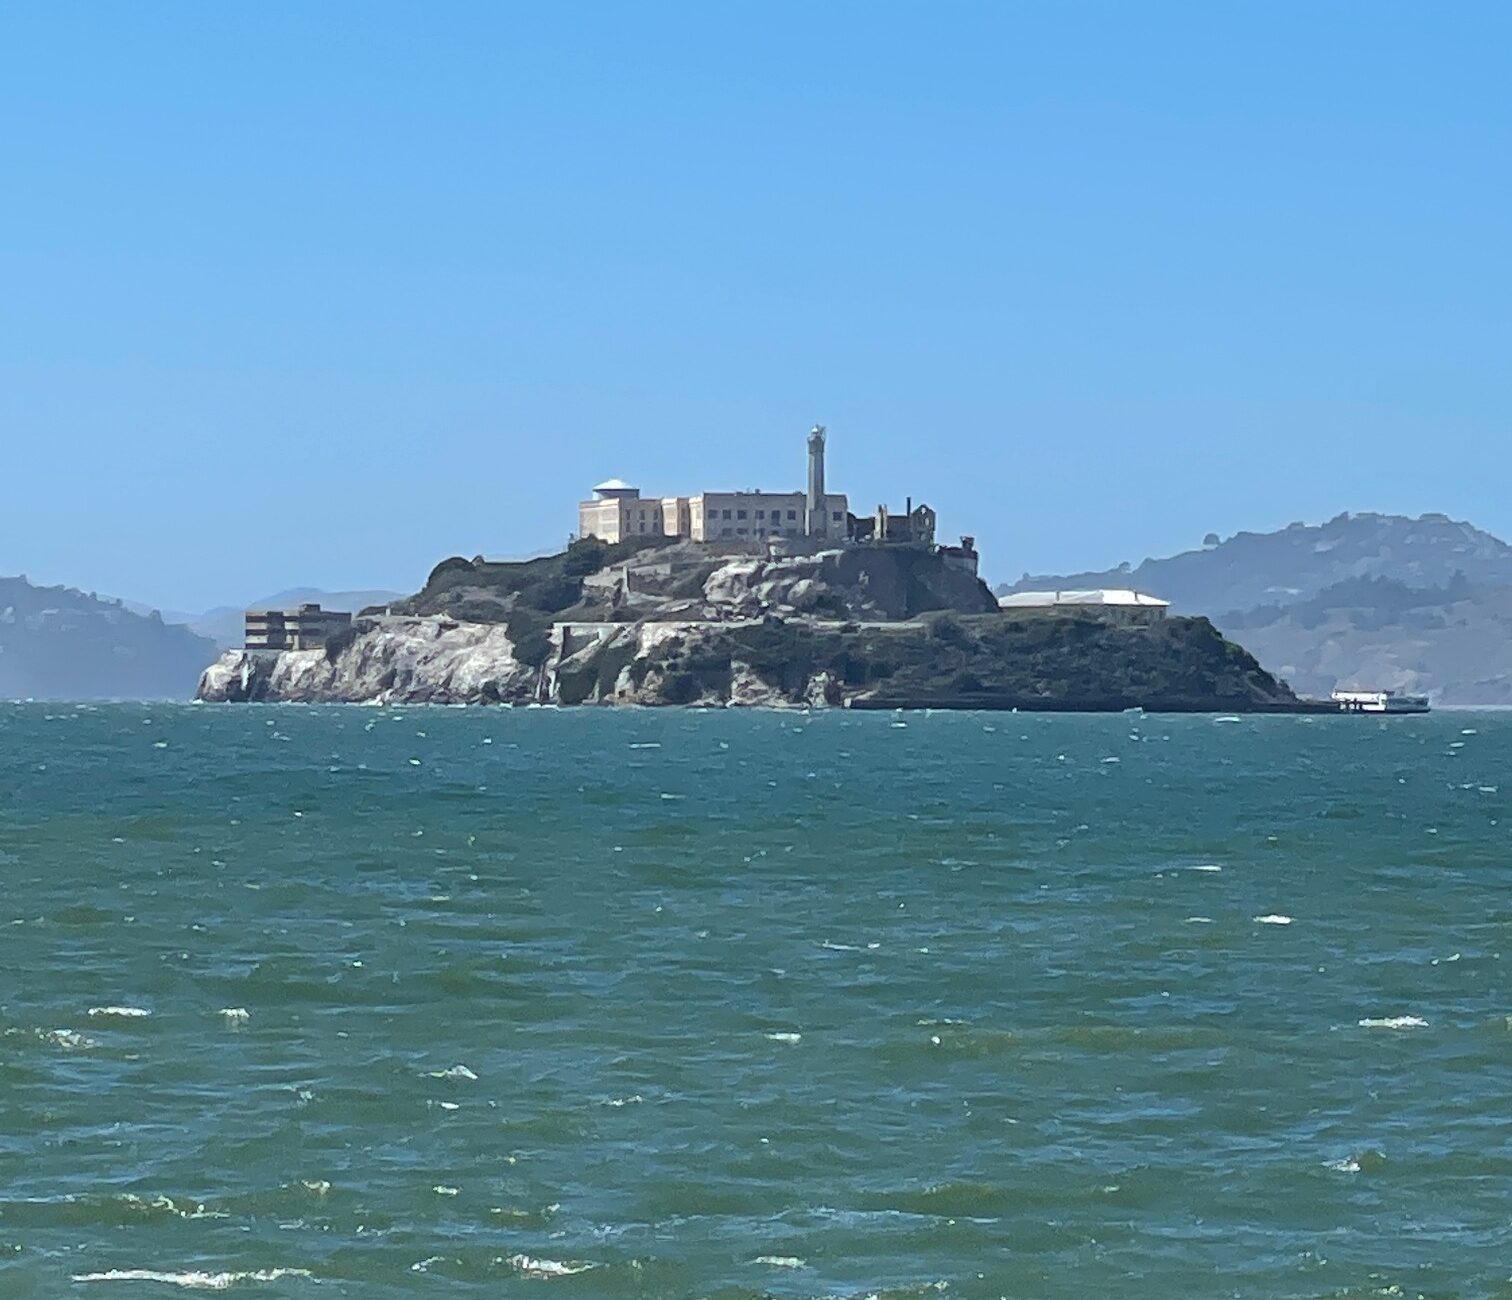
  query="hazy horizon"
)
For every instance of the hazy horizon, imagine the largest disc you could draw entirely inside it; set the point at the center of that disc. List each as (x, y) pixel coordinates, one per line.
(321, 296)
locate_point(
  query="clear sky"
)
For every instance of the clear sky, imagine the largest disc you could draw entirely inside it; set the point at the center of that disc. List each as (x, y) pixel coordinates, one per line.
(322, 293)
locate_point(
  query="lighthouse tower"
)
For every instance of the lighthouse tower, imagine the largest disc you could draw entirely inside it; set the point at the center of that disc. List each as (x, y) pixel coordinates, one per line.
(816, 516)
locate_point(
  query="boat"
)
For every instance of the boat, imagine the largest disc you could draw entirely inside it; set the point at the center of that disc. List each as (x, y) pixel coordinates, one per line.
(1380, 702)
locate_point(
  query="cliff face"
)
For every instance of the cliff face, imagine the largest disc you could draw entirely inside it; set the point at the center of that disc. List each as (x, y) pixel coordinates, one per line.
(984, 661)
(869, 627)
(393, 660)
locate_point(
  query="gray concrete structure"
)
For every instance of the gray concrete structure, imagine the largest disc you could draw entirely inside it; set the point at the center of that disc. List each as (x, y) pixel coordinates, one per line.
(306, 628)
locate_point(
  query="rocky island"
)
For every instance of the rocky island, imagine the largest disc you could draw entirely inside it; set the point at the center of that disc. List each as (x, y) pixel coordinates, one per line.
(664, 621)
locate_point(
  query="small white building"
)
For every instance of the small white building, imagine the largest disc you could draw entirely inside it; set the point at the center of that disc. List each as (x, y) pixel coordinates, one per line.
(1117, 604)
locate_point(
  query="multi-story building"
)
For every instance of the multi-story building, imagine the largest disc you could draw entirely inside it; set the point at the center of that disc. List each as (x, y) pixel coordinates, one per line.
(618, 511)
(306, 628)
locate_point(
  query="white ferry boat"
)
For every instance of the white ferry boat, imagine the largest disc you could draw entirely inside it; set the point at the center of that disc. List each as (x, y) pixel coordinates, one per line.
(1380, 702)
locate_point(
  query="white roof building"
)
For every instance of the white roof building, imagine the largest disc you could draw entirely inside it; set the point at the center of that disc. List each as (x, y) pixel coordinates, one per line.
(1112, 599)
(613, 488)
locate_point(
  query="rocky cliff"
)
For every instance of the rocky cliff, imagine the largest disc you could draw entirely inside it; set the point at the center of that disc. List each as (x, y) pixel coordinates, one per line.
(944, 661)
(389, 660)
(673, 625)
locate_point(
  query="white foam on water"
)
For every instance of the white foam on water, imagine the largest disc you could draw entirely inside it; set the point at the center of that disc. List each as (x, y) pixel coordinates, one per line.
(785, 1038)
(1348, 1165)
(125, 1013)
(441, 1189)
(71, 1039)
(529, 1266)
(1199, 920)
(1206, 866)
(453, 1072)
(780, 1261)
(235, 1016)
(1273, 918)
(1228, 718)
(195, 1209)
(1393, 1022)
(194, 1281)
(634, 1100)
(838, 947)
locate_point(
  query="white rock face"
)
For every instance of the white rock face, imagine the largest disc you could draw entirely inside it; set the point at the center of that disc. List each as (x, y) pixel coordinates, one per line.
(391, 660)
(707, 636)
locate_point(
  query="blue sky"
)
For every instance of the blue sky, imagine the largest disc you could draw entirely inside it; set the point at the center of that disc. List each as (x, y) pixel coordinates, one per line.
(320, 294)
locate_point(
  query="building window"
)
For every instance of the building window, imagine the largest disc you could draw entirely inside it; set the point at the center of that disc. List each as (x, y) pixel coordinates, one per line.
(792, 514)
(740, 514)
(836, 516)
(741, 531)
(761, 514)
(725, 515)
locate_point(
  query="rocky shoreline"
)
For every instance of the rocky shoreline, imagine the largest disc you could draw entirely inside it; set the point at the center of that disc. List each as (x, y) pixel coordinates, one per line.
(865, 627)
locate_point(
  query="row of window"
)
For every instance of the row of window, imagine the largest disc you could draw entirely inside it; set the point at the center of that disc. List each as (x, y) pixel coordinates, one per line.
(837, 515)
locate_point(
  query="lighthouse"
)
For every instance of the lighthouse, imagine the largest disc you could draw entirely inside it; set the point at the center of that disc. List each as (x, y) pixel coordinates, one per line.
(816, 518)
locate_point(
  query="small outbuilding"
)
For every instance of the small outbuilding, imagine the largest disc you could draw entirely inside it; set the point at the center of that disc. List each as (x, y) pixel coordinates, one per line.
(1115, 604)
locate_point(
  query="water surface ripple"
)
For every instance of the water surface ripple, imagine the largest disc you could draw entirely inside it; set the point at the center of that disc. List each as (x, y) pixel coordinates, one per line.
(304, 1001)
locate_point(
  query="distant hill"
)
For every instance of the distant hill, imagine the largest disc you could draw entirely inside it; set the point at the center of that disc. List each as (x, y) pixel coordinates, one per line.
(1364, 600)
(58, 643)
(1454, 642)
(223, 625)
(1249, 570)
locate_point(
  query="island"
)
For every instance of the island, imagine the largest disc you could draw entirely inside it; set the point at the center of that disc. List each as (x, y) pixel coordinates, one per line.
(668, 622)
(761, 598)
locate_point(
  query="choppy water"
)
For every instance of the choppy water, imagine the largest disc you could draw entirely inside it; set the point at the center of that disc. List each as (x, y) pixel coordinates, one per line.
(355, 1002)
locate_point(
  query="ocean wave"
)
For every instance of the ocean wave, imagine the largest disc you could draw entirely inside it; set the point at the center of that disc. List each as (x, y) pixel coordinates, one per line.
(1393, 1022)
(1356, 1162)
(124, 1013)
(529, 1266)
(193, 1281)
(118, 1209)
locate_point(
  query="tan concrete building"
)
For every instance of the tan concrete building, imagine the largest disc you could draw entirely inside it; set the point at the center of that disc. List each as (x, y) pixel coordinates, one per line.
(618, 511)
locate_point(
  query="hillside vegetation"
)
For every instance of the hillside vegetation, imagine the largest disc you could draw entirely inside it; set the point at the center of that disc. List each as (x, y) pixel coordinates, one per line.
(1249, 570)
(58, 643)
(1363, 600)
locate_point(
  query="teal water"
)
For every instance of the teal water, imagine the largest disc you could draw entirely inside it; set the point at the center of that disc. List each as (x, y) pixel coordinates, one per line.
(738, 1004)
